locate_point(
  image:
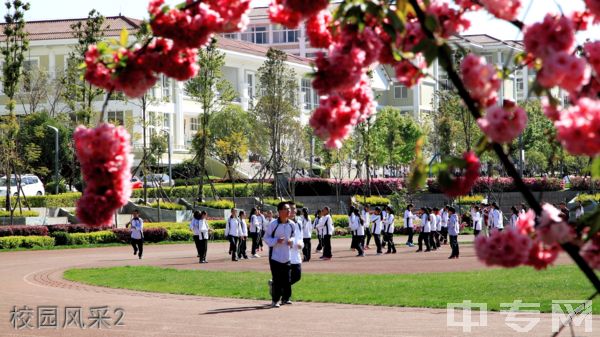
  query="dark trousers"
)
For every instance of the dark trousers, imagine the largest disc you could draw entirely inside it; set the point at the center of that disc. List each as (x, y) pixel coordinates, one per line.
(254, 237)
(233, 246)
(432, 240)
(327, 246)
(454, 245)
(241, 251)
(377, 242)
(138, 246)
(320, 245)
(357, 241)
(368, 233)
(295, 274)
(306, 250)
(410, 232)
(198, 244)
(390, 242)
(436, 239)
(353, 241)
(262, 235)
(445, 235)
(476, 232)
(280, 274)
(424, 237)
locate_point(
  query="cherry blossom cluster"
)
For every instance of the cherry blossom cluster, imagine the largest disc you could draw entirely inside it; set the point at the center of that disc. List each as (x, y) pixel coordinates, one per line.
(502, 124)
(457, 185)
(526, 244)
(104, 156)
(173, 51)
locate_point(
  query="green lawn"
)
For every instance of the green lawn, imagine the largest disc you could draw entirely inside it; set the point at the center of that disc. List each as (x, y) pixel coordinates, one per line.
(433, 290)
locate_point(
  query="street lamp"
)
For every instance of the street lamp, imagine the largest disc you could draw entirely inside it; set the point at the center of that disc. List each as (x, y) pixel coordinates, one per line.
(169, 149)
(56, 149)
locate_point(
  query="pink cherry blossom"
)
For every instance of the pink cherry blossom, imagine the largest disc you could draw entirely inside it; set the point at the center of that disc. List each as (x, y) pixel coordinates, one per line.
(507, 248)
(594, 7)
(449, 20)
(503, 124)
(503, 9)
(591, 252)
(462, 185)
(526, 223)
(279, 13)
(407, 73)
(551, 111)
(592, 52)
(554, 34)
(104, 156)
(317, 30)
(541, 255)
(481, 79)
(578, 128)
(565, 70)
(553, 229)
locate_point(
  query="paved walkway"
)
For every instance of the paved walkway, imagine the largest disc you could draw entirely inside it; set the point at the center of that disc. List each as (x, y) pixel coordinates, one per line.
(34, 279)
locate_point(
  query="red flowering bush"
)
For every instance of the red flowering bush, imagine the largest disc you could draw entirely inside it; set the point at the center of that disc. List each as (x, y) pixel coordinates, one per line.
(584, 183)
(458, 176)
(23, 230)
(104, 156)
(504, 184)
(320, 186)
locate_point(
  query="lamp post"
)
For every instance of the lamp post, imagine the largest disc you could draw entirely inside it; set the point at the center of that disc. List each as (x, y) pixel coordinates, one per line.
(56, 149)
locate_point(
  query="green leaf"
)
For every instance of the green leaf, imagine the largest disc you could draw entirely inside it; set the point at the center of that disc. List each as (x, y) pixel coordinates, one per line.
(595, 168)
(124, 37)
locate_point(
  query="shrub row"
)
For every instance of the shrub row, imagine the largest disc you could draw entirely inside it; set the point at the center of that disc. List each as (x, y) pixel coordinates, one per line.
(219, 204)
(23, 213)
(320, 186)
(485, 184)
(58, 200)
(223, 190)
(584, 184)
(22, 230)
(9, 242)
(372, 200)
(169, 205)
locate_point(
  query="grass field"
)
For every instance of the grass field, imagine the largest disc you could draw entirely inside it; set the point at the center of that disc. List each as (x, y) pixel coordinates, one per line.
(431, 290)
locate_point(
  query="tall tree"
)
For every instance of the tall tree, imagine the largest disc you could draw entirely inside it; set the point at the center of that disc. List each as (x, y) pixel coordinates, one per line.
(276, 108)
(13, 50)
(79, 94)
(214, 93)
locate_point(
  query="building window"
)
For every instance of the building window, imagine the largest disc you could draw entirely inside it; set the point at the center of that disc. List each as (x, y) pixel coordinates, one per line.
(167, 120)
(250, 81)
(115, 117)
(311, 99)
(400, 92)
(488, 58)
(256, 34)
(194, 124)
(29, 66)
(232, 36)
(166, 87)
(284, 35)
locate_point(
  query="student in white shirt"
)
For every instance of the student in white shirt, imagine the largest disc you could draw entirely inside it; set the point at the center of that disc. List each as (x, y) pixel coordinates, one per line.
(523, 209)
(389, 231)
(328, 229)
(279, 236)
(497, 218)
(199, 226)
(477, 221)
(358, 230)
(295, 251)
(232, 233)
(425, 230)
(384, 216)
(137, 233)
(243, 236)
(254, 231)
(579, 211)
(307, 229)
(376, 221)
(453, 231)
(433, 225)
(266, 220)
(514, 217)
(366, 218)
(408, 224)
(318, 225)
(444, 231)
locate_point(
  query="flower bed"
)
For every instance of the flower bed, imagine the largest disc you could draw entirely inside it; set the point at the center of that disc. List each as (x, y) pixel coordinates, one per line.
(372, 200)
(320, 186)
(501, 184)
(584, 184)
(223, 190)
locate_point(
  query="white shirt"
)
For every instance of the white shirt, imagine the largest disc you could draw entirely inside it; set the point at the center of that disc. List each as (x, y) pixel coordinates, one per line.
(137, 228)
(243, 228)
(438, 222)
(276, 230)
(497, 221)
(307, 227)
(318, 224)
(513, 221)
(453, 225)
(264, 222)
(233, 227)
(376, 220)
(444, 218)
(255, 222)
(389, 224)
(433, 222)
(296, 249)
(579, 212)
(199, 228)
(356, 226)
(327, 225)
(408, 219)
(477, 221)
(425, 223)
(366, 216)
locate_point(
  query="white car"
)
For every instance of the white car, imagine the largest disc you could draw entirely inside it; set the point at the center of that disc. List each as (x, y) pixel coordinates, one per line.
(154, 180)
(31, 185)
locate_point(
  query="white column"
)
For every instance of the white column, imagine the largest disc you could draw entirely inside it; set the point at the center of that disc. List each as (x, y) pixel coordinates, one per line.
(243, 85)
(302, 39)
(501, 94)
(52, 64)
(525, 79)
(177, 124)
(417, 102)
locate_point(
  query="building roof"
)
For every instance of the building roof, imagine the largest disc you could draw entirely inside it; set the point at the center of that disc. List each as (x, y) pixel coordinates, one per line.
(486, 41)
(113, 25)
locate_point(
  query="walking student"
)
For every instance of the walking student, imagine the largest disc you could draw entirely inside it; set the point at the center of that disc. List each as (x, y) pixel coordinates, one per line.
(295, 252)
(199, 226)
(358, 229)
(254, 231)
(477, 221)
(366, 218)
(307, 229)
(376, 221)
(433, 227)
(266, 220)
(137, 233)
(425, 230)
(243, 236)
(232, 233)
(327, 233)
(444, 231)
(318, 225)
(389, 231)
(453, 231)
(279, 236)
(408, 224)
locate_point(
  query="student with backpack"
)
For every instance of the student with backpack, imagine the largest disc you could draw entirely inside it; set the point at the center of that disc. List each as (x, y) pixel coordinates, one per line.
(199, 226)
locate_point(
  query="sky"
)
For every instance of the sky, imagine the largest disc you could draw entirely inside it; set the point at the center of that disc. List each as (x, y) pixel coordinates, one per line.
(482, 23)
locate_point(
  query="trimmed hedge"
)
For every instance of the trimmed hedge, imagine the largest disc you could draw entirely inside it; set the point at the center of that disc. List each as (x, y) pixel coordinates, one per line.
(470, 199)
(91, 238)
(23, 230)
(60, 238)
(320, 186)
(372, 200)
(502, 184)
(24, 213)
(25, 242)
(58, 200)
(223, 190)
(180, 235)
(77, 228)
(219, 204)
(218, 234)
(169, 206)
